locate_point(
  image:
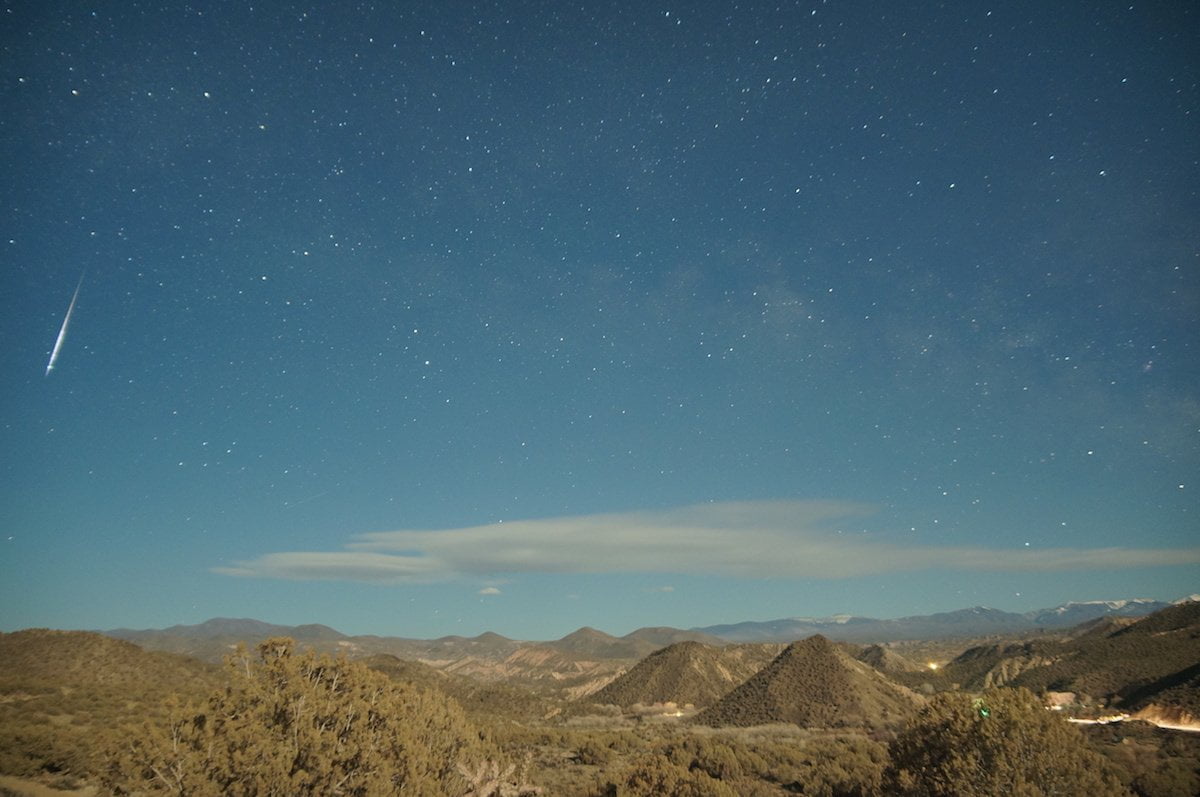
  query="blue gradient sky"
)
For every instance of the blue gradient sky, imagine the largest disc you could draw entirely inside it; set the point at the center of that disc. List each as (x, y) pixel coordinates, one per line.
(523, 316)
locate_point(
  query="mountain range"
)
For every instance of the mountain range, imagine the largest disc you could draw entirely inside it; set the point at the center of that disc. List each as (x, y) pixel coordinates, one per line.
(976, 621)
(212, 639)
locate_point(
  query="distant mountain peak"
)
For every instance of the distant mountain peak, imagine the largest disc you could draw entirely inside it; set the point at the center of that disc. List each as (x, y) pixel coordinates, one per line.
(974, 621)
(588, 633)
(1114, 605)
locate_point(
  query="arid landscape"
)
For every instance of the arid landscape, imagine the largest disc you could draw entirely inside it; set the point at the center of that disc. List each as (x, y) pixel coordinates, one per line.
(657, 711)
(600, 399)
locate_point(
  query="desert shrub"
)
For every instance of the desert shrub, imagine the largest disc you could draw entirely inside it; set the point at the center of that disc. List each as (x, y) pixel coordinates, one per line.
(656, 776)
(1004, 740)
(1174, 777)
(299, 724)
(842, 767)
(832, 766)
(594, 753)
(718, 761)
(1155, 762)
(41, 750)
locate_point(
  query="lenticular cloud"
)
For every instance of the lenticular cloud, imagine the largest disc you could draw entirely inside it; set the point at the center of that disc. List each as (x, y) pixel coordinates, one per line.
(755, 539)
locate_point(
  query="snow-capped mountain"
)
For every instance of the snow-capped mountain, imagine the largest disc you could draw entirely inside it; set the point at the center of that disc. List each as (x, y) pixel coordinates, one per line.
(1076, 612)
(977, 621)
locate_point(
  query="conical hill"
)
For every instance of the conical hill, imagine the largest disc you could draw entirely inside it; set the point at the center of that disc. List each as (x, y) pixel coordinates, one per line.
(814, 684)
(888, 661)
(686, 672)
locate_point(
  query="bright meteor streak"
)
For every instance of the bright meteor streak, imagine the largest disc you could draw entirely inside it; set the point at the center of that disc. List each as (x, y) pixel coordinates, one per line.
(62, 333)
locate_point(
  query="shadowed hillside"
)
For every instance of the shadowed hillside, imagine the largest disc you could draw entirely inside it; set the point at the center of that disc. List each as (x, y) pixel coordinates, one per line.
(1121, 665)
(1174, 698)
(813, 683)
(687, 672)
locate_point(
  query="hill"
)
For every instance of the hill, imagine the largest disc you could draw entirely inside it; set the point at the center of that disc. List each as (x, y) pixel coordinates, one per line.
(687, 672)
(888, 661)
(540, 668)
(212, 639)
(62, 692)
(1173, 699)
(227, 628)
(1149, 661)
(814, 684)
(85, 659)
(598, 645)
(662, 636)
(984, 666)
(481, 700)
(587, 641)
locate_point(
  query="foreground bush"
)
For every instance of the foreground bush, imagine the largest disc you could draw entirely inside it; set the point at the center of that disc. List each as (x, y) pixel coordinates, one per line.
(299, 724)
(1002, 743)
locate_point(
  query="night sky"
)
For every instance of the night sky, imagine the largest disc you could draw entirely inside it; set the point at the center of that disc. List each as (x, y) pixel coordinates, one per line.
(432, 318)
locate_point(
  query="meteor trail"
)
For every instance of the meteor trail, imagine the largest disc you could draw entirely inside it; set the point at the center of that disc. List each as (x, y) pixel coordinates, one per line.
(62, 333)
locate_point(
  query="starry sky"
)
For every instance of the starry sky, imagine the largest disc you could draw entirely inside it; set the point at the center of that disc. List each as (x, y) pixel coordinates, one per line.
(443, 317)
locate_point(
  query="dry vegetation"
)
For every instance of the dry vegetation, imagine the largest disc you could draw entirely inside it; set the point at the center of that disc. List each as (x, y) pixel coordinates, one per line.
(815, 683)
(79, 709)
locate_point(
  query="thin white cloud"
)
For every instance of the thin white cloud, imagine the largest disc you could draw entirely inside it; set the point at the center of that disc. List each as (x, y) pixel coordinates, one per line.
(756, 539)
(338, 566)
(490, 591)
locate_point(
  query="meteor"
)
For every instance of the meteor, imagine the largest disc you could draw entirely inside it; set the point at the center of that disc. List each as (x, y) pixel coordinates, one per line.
(62, 333)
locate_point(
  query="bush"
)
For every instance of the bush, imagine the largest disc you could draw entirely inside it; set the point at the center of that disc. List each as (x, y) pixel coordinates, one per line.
(654, 776)
(299, 724)
(1003, 742)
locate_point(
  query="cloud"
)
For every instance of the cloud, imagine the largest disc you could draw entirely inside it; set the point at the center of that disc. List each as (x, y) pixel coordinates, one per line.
(338, 566)
(755, 539)
(490, 591)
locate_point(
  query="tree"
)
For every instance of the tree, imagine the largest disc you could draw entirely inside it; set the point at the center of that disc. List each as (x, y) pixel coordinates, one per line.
(1002, 742)
(300, 724)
